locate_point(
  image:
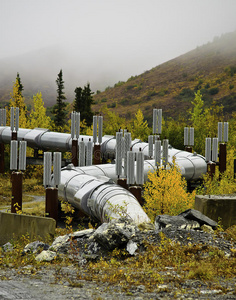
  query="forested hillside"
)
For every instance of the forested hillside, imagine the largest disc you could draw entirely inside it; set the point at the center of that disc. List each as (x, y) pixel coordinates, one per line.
(171, 86)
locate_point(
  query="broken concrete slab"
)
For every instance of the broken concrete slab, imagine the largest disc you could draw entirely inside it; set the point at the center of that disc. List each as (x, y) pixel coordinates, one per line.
(218, 207)
(163, 221)
(16, 225)
(195, 215)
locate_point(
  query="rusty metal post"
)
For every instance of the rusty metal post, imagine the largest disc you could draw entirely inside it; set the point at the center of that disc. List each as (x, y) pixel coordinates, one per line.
(211, 168)
(2, 149)
(14, 136)
(74, 151)
(51, 208)
(97, 154)
(16, 200)
(189, 149)
(222, 157)
(137, 191)
(123, 182)
(234, 168)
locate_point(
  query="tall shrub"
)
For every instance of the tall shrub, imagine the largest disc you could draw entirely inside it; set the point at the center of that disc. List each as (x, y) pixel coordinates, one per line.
(165, 192)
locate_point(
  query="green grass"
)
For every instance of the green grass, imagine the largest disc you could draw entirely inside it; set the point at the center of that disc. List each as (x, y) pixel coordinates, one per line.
(31, 187)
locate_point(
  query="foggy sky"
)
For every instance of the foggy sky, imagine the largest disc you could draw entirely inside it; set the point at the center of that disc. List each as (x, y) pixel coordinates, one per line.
(113, 39)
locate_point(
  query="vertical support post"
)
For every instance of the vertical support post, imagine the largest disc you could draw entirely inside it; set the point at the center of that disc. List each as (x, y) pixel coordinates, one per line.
(2, 155)
(14, 136)
(235, 168)
(137, 192)
(222, 157)
(189, 149)
(74, 152)
(211, 168)
(122, 182)
(16, 200)
(96, 154)
(51, 208)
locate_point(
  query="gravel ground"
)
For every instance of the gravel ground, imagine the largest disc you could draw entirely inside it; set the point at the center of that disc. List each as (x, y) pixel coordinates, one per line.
(60, 282)
(48, 284)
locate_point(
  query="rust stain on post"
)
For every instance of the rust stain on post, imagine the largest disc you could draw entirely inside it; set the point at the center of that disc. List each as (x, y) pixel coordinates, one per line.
(16, 200)
(51, 208)
(74, 151)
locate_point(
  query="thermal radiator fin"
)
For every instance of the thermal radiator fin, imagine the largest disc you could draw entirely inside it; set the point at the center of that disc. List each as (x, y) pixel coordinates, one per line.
(215, 149)
(57, 168)
(72, 125)
(226, 130)
(159, 115)
(22, 155)
(140, 168)
(186, 142)
(130, 167)
(77, 124)
(81, 154)
(89, 154)
(150, 145)
(47, 162)
(13, 155)
(208, 149)
(165, 152)
(191, 138)
(100, 129)
(95, 122)
(154, 125)
(157, 154)
(119, 153)
(220, 131)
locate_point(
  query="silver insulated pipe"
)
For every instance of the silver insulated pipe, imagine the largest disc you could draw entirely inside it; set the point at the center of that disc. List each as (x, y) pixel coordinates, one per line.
(192, 165)
(98, 196)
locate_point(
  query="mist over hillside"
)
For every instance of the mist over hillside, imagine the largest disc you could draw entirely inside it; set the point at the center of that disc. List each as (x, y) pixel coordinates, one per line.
(38, 71)
(170, 86)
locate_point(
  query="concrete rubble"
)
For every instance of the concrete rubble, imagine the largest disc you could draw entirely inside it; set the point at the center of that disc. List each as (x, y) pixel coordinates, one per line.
(188, 227)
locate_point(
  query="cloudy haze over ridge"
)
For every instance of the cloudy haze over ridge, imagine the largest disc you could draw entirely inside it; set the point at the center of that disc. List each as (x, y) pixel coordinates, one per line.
(104, 41)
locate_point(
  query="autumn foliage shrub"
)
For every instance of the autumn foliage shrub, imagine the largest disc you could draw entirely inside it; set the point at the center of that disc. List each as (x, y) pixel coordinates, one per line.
(165, 192)
(220, 183)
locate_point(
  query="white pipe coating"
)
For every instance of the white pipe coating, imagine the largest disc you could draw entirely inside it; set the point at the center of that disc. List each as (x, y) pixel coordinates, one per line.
(99, 197)
(39, 138)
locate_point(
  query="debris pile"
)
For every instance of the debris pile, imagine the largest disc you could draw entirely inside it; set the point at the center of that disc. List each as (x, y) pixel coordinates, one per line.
(189, 227)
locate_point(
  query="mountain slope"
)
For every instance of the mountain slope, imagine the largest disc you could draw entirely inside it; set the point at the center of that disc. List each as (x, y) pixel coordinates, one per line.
(171, 85)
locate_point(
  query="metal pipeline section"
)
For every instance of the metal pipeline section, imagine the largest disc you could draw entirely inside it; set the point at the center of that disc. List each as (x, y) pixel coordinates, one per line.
(192, 165)
(99, 197)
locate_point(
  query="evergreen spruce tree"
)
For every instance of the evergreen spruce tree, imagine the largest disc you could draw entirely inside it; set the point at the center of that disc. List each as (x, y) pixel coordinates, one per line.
(20, 87)
(59, 109)
(78, 103)
(82, 103)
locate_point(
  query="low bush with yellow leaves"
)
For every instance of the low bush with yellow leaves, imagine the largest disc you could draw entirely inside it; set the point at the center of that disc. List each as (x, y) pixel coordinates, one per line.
(165, 192)
(221, 183)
